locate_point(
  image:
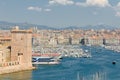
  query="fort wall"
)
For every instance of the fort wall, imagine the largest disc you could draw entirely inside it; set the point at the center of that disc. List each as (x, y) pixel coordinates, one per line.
(20, 52)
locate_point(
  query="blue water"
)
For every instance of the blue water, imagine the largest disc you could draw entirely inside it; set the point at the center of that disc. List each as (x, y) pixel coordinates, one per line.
(98, 67)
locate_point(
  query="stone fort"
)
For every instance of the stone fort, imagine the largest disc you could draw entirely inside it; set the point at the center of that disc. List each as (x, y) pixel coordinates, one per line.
(17, 55)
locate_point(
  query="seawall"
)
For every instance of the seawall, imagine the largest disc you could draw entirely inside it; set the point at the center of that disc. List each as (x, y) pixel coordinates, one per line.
(15, 68)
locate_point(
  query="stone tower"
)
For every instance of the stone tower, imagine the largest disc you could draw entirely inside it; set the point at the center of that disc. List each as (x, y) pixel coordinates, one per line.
(21, 46)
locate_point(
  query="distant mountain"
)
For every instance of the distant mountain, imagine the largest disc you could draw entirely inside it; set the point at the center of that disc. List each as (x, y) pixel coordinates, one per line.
(69, 28)
(8, 25)
(95, 27)
(100, 26)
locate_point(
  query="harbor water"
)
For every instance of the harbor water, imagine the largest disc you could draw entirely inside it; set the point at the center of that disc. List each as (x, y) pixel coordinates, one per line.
(98, 67)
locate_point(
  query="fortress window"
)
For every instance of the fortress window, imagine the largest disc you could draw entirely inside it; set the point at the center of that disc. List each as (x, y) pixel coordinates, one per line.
(20, 54)
(21, 38)
(9, 64)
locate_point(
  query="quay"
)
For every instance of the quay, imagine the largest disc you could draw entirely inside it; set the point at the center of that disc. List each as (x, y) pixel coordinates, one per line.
(113, 47)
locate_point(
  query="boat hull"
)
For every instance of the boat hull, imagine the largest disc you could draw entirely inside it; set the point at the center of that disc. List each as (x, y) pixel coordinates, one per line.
(44, 60)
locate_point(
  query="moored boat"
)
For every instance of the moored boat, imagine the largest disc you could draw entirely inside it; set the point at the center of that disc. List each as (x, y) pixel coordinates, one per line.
(44, 59)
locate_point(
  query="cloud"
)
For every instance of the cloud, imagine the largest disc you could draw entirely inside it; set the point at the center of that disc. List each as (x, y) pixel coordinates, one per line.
(61, 2)
(117, 14)
(34, 8)
(98, 3)
(39, 9)
(47, 10)
(117, 9)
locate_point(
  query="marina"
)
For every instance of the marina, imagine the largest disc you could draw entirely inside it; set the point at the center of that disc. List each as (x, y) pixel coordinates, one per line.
(113, 47)
(97, 67)
(62, 51)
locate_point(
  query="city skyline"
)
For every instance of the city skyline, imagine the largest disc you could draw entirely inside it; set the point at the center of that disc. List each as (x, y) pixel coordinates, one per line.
(61, 13)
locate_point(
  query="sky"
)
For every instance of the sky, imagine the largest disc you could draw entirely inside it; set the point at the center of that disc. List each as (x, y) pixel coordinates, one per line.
(61, 13)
